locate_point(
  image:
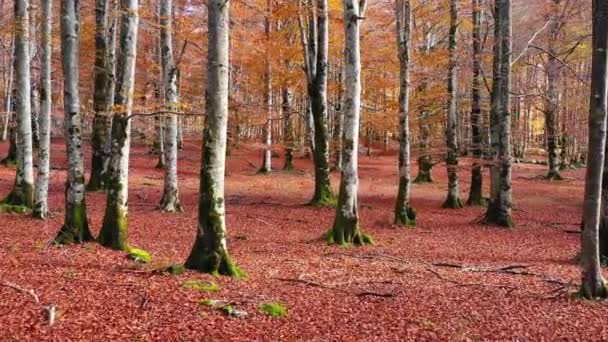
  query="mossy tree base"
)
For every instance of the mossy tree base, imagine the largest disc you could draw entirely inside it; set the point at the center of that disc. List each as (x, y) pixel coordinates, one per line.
(212, 262)
(76, 227)
(324, 197)
(113, 232)
(405, 217)
(554, 176)
(452, 202)
(288, 166)
(21, 195)
(498, 217)
(346, 233)
(595, 291)
(423, 178)
(40, 211)
(170, 204)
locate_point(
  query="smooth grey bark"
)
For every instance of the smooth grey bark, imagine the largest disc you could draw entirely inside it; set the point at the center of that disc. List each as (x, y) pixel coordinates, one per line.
(552, 107)
(404, 213)
(113, 233)
(76, 226)
(314, 34)
(288, 133)
(453, 198)
(23, 190)
(267, 155)
(476, 191)
(593, 284)
(41, 209)
(170, 199)
(8, 95)
(210, 253)
(499, 209)
(346, 230)
(102, 95)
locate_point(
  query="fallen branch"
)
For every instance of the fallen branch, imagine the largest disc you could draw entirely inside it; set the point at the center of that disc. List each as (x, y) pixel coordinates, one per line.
(438, 275)
(21, 289)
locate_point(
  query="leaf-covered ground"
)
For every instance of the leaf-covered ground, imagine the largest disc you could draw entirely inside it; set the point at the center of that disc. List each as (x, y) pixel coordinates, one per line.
(513, 284)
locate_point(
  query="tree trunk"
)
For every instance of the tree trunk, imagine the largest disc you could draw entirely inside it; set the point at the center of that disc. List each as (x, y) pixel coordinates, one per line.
(41, 209)
(476, 191)
(315, 45)
(170, 199)
(267, 155)
(288, 127)
(499, 209)
(209, 253)
(346, 230)
(76, 226)
(23, 190)
(102, 96)
(404, 213)
(113, 233)
(593, 284)
(552, 98)
(9, 95)
(453, 199)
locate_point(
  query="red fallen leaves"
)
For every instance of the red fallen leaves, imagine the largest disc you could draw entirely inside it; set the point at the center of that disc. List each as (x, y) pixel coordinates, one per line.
(101, 295)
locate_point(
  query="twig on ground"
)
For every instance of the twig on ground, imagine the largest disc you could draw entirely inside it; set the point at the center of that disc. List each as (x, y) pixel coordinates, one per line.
(21, 289)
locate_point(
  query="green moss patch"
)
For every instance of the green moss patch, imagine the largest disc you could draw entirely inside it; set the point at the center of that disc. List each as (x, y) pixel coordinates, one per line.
(273, 309)
(13, 209)
(139, 255)
(201, 286)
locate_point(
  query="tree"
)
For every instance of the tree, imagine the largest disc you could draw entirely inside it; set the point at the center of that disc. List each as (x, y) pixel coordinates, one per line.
(41, 209)
(404, 213)
(170, 199)
(499, 209)
(210, 253)
(553, 69)
(346, 230)
(23, 190)
(267, 155)
(76, 226)
(314, 34)
(453, 198)
(593, 284)
(103, 96)
(113, 233)
(476, 191)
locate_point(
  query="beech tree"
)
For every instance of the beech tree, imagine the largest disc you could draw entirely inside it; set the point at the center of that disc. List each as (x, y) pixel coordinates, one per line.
(41, 209)
(23, 190)
(453, 198)
(404, 213)
(170, 199)
(476, 190)
(499, 209)
(267, 155)
(103, 95)
(113, 232)
(76, 226)
(314, 33)
(210, 252)
(346, 228)
(593, 284)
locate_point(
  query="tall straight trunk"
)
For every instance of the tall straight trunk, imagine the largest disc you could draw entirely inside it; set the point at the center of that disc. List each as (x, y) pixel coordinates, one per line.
(35, 77)
(102, 97)
(453, 197)
(41, 210)
(315, 45)
(476, 191)
(552, 107)
(593, 284)
(113, 233)
(346, 230)
(8, 96)
(499, 210)
(404, 213)
(170, 199)
(76, 226)
(209, 253)
(267, 155)
(288, 134)
(23, 190)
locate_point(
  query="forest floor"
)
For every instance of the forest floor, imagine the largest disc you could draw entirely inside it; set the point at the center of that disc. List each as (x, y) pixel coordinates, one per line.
(513, 285)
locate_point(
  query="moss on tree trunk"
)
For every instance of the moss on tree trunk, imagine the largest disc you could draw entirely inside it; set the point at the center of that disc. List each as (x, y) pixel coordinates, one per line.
(425, 170)
(76, 226)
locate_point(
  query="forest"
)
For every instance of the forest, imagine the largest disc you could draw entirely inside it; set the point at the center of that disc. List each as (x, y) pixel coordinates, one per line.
(389, 170)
